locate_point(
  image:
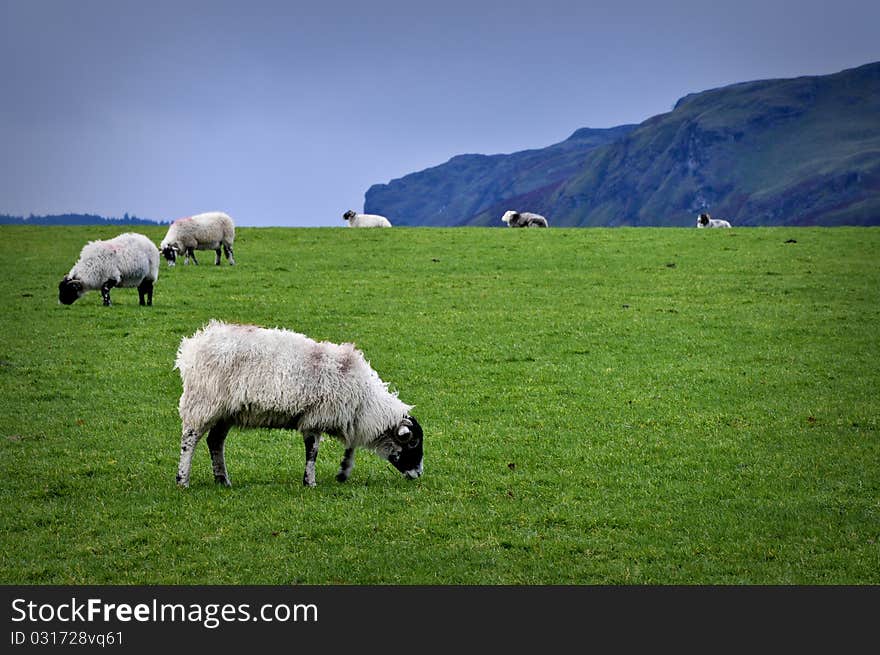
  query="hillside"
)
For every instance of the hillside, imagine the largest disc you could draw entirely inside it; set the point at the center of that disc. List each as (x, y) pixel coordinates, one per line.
(466, 185)
(802, 151)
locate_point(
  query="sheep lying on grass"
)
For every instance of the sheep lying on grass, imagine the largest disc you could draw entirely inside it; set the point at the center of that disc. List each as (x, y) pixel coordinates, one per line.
(365, 220)
(704, 220)
(524, 219)
(128, 260)
(209, 231)
(253, 377)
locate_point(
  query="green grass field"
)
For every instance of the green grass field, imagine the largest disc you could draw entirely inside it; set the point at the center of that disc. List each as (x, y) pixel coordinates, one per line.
(601, 406)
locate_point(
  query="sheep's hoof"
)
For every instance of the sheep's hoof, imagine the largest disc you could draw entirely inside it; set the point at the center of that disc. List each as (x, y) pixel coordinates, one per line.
(309, 483)
(341, 477)
(183, 484)
(220, 479)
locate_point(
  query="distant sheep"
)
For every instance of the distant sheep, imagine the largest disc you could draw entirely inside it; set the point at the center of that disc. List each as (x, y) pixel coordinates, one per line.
(128, 260)
(524, 219)
(365, 220)
(704, 220)
(253, 377)
(209, 231)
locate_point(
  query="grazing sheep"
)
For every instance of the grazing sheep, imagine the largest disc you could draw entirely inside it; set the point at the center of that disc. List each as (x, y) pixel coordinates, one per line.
(128, 260)
(524, 219)
(365, 220)
(209, 231)
(253, 377)
(704, 220)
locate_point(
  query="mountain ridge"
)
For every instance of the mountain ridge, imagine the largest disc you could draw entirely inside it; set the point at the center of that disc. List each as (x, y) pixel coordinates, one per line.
(486, 177)
(786, 151)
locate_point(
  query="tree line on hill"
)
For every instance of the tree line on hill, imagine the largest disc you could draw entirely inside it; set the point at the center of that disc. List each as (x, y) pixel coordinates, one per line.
(77, 219)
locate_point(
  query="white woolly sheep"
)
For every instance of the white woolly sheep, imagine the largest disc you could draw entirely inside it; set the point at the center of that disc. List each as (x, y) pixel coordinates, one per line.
(253, 377)
(524, 219)
(704, 220)
(208, 231)
(128, 260)
(365, 220)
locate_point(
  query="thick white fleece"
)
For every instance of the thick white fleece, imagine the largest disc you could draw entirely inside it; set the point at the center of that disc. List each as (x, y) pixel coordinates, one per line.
(260, 377)
(368, 220)
(200, 232)
(524, 219)
(129, 259)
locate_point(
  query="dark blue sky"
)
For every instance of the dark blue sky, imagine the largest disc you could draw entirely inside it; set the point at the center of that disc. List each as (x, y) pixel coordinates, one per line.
(284, 113)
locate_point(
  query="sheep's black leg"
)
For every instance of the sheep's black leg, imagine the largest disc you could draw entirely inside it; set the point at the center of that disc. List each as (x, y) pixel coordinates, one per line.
(105, 291)
(145, 288)
(228, 251)
(217, 257)
(346, 466)
(188, 442)
(216, 439)
(192, 253)
(312, 441)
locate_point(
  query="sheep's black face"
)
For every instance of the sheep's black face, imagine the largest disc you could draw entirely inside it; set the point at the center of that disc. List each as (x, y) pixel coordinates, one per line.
(347, 216)
(170, 254)
(69, 291)
(406, 455)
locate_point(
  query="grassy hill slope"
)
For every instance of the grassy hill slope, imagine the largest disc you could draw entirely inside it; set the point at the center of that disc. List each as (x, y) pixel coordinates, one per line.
(466, 185)
(600, 406)
(800, 151)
